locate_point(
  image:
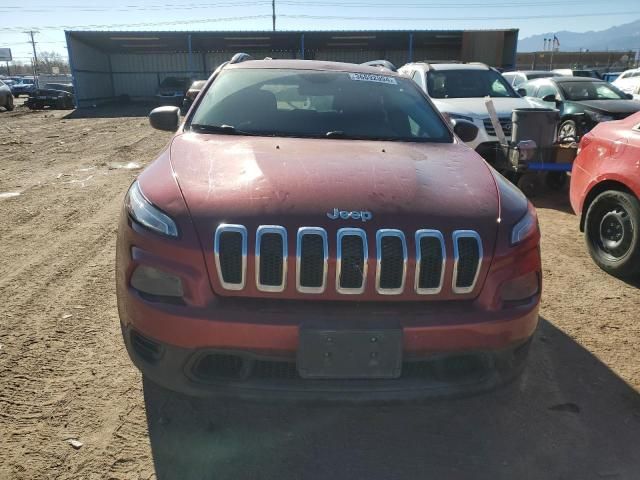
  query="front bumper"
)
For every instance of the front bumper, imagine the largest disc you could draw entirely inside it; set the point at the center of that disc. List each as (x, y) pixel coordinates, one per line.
(266, 378)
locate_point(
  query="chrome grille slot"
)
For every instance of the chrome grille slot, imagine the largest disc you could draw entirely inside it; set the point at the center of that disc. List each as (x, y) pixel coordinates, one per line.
(467, 253)
(351, 261)
(311, 260)
(271, 258)
(230, 250)
(391, 270)
(430, 262)
(505, 123)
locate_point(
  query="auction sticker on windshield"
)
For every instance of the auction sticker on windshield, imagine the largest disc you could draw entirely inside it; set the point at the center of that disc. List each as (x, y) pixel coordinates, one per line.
(369, 77)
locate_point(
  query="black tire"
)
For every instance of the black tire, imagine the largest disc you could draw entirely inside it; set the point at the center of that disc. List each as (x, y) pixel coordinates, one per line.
(529, 184)
(556, 180)
(16, 95)
(568, 129)
(612, 233)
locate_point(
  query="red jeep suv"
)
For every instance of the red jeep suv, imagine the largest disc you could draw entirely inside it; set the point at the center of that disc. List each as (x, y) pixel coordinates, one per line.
(316, 230)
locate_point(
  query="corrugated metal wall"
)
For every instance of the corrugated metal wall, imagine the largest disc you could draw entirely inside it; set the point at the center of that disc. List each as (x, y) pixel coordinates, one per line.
(139, 75)
(100, 76)
(92, 79)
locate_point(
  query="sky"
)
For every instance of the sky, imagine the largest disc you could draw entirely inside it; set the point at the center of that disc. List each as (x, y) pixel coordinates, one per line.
(50, 19)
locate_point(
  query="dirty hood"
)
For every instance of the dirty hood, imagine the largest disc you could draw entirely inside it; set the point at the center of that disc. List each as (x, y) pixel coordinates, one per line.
(282, 180)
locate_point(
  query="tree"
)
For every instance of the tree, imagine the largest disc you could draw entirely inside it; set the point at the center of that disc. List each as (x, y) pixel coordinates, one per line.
(48, 60)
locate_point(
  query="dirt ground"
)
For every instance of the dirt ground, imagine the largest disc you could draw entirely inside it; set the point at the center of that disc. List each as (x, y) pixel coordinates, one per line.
(64, 373)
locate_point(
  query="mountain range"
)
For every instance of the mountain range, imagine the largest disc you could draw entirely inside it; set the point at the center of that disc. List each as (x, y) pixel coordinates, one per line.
(621, 37)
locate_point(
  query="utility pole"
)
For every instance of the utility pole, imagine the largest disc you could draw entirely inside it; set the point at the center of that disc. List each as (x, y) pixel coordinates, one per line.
(35, 59)
(273, 13)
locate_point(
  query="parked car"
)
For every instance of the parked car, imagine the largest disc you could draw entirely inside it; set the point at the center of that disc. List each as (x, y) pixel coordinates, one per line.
(583, 102)
(518, 77)
(6, 98)
(191, 95)
(610, 76)
(628, 81)
(605, 192)
(459, 90)
(172, 90)
(54, 95)
(23, 86)
(569, 72)
(315, 220)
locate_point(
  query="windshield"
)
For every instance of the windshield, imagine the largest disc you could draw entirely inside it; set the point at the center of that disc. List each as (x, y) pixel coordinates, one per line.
(306, 103)
(468, 84)
(173, 82)
(590, 91)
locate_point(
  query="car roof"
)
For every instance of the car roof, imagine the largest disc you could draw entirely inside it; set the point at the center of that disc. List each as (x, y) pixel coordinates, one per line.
(574, 79)
(458, 66)
(310, 65)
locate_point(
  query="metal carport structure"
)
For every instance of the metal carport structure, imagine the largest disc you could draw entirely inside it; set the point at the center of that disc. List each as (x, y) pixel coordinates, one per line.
(110, 64)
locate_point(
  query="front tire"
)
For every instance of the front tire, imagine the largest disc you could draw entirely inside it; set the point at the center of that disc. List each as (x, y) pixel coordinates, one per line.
(612, 233)
(568, 129)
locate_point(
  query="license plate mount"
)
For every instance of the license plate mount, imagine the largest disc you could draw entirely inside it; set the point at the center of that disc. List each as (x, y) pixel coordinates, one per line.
(349, 353)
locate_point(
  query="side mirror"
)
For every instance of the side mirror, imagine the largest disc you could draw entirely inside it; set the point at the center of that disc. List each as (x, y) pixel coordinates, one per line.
(551, 98)
(466, 131)
(522, 92)
(165, 118)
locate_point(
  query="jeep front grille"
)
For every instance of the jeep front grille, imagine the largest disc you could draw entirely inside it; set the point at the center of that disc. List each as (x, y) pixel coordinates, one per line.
(352, 260)
(467, 255)
(505, 123)
(271, 258)
(391, 268)
(230, 247)
(430, 261)
(313, 248)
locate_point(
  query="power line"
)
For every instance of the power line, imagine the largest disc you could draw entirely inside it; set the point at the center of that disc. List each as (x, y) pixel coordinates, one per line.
(163, 7)
(457, 18)
(293, 3)
(146, 24)
(357, 4)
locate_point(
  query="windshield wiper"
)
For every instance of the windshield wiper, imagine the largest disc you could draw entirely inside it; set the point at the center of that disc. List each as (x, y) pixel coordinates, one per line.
(228, 129)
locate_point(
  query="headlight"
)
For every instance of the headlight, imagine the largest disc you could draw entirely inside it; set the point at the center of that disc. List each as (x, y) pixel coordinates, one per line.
(143, 212)
(526, 226)
(459, 117)
(599, 117)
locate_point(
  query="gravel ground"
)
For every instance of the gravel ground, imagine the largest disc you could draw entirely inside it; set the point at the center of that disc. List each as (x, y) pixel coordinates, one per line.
(64, 374)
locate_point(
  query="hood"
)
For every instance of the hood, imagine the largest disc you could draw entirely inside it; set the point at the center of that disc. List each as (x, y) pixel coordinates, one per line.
(475, 107)
(50, 91)
(610, 106)
(248, 179)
